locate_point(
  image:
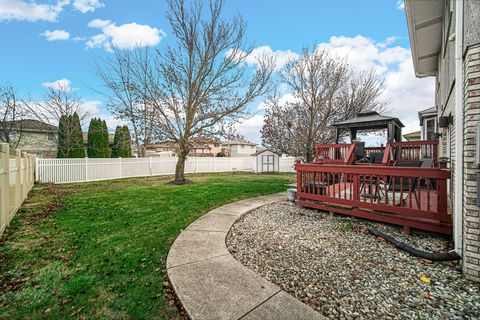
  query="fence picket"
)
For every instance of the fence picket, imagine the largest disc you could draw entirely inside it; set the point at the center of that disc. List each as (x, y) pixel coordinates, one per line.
(67, 170)
(16, 180)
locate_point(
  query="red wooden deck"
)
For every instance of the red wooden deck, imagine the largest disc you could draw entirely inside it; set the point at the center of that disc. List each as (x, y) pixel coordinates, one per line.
(410, 196)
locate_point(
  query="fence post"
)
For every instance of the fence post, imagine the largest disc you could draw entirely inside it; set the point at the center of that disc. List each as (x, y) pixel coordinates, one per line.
(5, 186)
(18, 182)
(37, 171)
(86, 168)
(121, 168)
(25, 175)
(150, 166)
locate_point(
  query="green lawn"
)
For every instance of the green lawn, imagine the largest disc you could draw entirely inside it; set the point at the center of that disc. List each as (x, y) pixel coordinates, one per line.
(97, 250)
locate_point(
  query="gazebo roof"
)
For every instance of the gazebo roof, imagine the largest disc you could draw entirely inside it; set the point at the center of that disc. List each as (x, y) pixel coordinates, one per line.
(368, 120)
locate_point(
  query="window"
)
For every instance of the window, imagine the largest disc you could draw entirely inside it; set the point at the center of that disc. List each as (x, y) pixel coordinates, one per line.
(51, 136)
(429, 129)
(243, 146)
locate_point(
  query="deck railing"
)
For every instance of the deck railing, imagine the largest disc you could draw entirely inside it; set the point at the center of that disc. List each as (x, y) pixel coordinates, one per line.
(394, 151)
(370, 150)
(414, 197)
(411, 151)
(334, 153)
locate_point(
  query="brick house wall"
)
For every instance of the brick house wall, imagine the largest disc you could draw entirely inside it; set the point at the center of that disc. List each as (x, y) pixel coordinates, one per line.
(471, 218)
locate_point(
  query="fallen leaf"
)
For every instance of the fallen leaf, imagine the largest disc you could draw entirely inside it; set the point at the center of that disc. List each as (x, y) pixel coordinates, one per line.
(425, 279)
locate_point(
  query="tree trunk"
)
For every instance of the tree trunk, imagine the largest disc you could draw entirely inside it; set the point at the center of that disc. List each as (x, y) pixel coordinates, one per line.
(310, 155)
(180, 167)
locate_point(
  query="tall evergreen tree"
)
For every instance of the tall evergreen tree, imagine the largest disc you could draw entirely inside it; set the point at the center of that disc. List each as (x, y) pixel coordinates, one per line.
(126, 145)
(116, 142)
(77, 150)
(92, 138)
(98, 142)
(104, 144)
(61, 143)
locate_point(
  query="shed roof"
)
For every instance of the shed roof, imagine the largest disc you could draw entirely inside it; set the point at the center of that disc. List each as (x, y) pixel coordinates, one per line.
(262, 151)
(368, 119)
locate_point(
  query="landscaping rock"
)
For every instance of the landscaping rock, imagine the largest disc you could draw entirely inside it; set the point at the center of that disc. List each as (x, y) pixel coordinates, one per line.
(331, 264)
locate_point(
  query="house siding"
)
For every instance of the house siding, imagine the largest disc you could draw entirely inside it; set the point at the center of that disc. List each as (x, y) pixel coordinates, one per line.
(471, 218)
(38, 143)
(445, 102)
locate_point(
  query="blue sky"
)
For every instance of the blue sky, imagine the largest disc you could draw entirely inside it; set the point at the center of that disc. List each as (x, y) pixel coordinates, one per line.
(46, 41)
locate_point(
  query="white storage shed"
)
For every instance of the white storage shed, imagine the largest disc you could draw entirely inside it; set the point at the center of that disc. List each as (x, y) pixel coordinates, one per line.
(266, 161)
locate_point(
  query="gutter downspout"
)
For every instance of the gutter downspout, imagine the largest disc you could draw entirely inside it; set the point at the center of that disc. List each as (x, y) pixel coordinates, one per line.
(459, 128)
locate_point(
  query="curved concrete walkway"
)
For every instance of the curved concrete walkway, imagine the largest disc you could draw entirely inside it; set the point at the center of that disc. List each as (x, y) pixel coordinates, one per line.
(211, 284)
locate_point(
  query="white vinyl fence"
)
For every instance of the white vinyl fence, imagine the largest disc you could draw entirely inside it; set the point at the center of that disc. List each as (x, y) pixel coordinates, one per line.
(89, 169)
(16, 180)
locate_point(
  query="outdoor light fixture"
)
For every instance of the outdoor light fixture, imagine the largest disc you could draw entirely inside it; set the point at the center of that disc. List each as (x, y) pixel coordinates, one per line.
(444, 122)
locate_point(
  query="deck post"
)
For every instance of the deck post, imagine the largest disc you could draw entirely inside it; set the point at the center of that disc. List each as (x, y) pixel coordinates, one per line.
(299, 178)
(356, 187)
(442, 196)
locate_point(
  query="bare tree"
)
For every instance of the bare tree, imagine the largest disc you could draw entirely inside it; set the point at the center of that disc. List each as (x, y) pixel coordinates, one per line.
(324, 89)
(124, 76)
(201, 83)
(60, 103)
(12, 116)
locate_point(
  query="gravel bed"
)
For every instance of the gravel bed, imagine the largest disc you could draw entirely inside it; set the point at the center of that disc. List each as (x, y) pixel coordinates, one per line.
(332, 264)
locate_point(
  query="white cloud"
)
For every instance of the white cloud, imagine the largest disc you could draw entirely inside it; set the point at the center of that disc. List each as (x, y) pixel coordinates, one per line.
(282, 57)
(250, 128)
(407, 94)
(30, 10)
(85, 6)
(61, 84)
(282, 101)
(56, 35)
(364, 53)
(126, 36)
(400, 5)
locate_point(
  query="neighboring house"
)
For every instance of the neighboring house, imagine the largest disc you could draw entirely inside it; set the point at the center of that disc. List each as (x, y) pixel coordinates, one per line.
(35, 137)
(428, 123)
(200, 148)
(240, 148)
(412, 136)
(111, 137)
(445, 44)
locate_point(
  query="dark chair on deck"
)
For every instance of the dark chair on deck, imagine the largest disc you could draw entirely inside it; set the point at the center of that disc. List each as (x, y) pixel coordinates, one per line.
(360, 152)
(399, 185)
(376, 157)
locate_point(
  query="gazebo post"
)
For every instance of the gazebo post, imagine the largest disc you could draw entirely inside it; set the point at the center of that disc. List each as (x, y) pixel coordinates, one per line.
(353, 134)
(390, 132)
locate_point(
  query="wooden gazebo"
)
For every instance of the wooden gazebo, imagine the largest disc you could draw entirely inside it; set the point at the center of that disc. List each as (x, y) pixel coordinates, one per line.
(370, 120)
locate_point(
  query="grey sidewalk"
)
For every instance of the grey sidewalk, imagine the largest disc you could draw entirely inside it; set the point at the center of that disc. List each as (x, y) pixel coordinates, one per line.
(211, 284)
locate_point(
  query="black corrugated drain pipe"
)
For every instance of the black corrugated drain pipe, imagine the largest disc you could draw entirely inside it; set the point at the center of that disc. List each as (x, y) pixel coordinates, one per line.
(433, 256)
